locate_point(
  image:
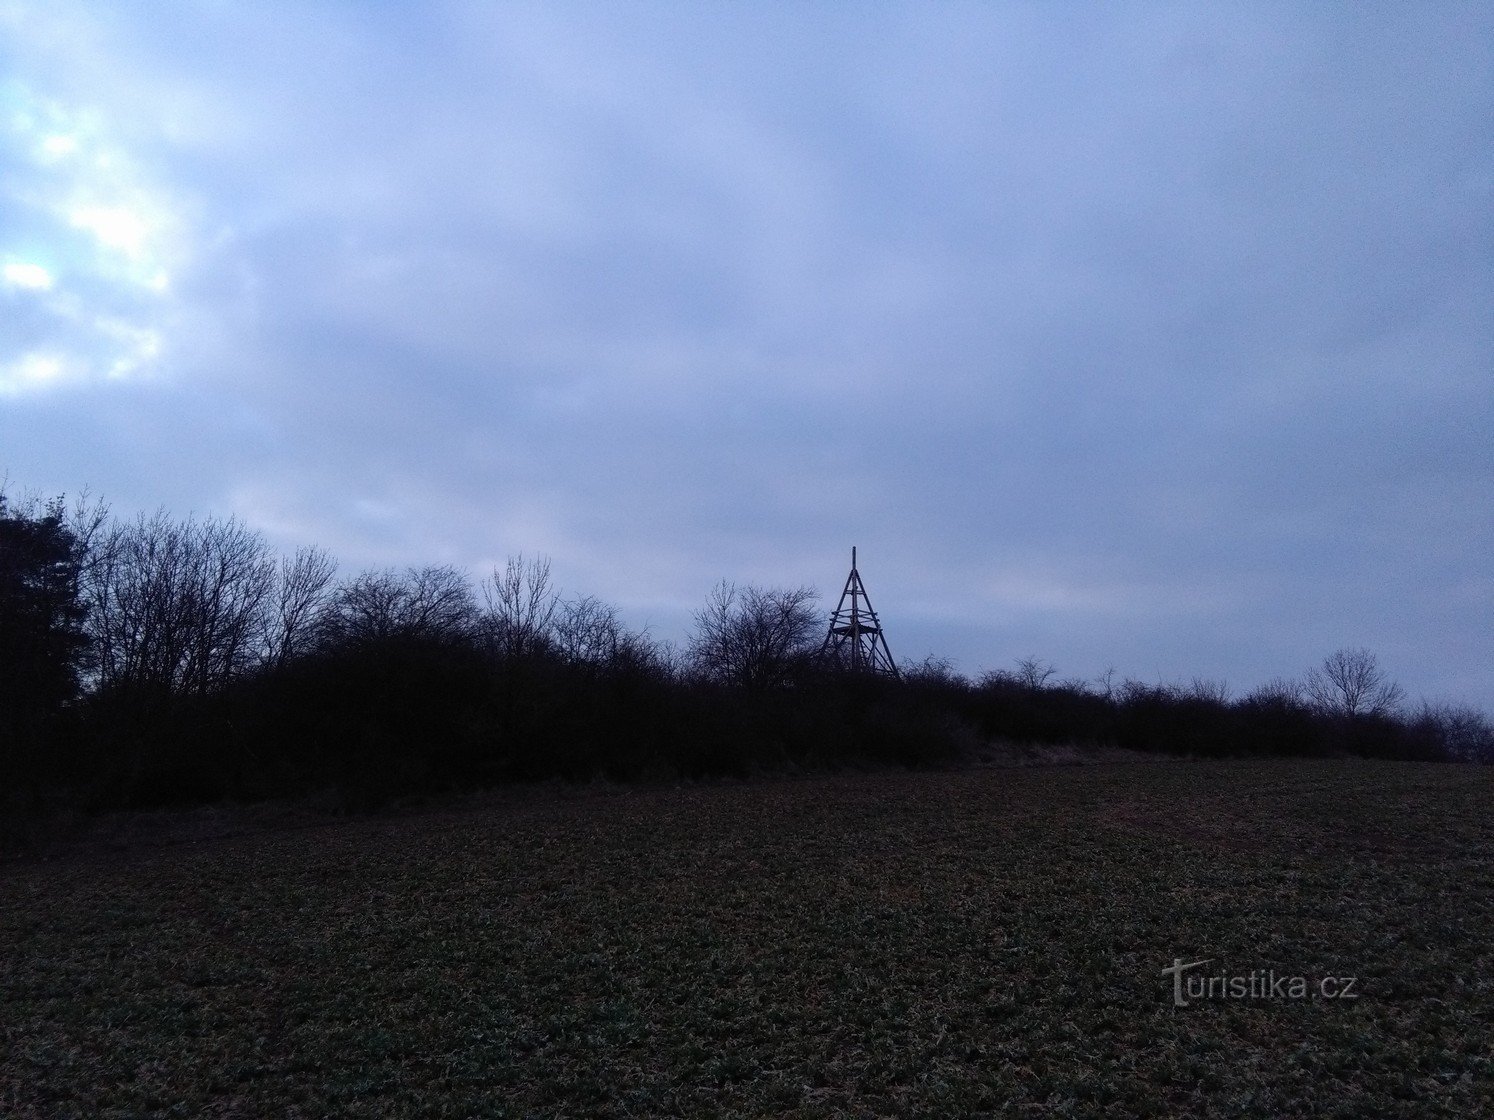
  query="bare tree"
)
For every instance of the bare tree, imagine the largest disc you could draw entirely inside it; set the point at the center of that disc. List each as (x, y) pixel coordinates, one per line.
(1031, 673)
(441, 603)
(1351, 683)
(177, 606)
(304, 588)
(423, 604)
(753, 637)
(587, 631)
(1278, 692)
(1464, 733)
(521, 608)
(932, 670)
(1209, 690)
(233, 575)
(1104, 684)
(1034, 672)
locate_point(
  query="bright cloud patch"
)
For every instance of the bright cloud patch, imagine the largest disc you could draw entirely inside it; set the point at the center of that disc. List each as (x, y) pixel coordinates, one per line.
(109, 236)
(59, 147)
(23, 274)
(115, 227)
(29, 372)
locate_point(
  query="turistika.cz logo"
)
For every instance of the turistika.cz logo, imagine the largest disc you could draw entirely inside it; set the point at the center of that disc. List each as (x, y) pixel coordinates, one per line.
(1258, 983)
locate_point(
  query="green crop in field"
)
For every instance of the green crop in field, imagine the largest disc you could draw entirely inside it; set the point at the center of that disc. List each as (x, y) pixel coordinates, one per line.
(953, 944)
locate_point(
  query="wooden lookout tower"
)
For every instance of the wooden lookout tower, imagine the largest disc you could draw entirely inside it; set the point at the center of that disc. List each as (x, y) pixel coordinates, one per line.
(855, 641)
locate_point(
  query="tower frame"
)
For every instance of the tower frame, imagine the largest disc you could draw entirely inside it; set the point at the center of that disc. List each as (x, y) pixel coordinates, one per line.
(855, 641)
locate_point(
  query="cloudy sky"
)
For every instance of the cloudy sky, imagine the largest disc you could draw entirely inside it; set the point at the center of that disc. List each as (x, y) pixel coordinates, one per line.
(1150, 336)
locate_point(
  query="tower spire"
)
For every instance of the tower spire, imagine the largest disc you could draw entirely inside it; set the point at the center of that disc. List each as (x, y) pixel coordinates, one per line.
(855, 641)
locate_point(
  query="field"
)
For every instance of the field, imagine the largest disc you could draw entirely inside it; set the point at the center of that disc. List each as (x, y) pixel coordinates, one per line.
(974, 942)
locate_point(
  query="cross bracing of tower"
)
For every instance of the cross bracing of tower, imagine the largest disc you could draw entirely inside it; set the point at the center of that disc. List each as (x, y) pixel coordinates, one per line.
(855, 641)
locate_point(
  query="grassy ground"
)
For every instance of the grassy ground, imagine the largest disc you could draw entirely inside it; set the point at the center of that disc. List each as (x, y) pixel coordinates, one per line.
(947, 944)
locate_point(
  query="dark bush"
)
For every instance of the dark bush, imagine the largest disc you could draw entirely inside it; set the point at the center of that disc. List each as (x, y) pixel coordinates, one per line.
(158, 662)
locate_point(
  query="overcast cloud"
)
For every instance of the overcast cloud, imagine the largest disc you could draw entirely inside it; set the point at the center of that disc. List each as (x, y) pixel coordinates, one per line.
(1148, 336)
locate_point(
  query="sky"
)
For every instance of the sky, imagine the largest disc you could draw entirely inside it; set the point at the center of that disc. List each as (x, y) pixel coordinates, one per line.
(1147, 337)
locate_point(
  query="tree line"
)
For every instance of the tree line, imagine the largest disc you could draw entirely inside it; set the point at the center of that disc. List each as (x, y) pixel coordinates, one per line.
(158, 660)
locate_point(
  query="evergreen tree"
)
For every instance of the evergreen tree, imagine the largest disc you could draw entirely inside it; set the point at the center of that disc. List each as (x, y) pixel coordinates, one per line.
(43, 646)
